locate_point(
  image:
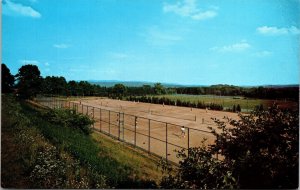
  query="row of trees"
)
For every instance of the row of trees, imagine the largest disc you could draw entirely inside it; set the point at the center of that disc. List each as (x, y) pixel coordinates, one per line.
(29, 79)
(290, 93)
(29, 83)
(178, 102)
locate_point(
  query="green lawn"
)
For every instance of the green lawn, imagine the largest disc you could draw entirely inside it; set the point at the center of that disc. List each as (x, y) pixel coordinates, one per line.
(229, 101)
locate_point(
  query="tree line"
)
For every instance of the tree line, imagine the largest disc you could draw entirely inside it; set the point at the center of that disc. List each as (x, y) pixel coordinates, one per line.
(178, 102)
(289, 93)
(28, 82)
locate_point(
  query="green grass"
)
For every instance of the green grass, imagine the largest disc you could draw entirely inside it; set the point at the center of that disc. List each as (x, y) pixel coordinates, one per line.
(82, 161)
(144, 166)
(29, 160)
(229, 101)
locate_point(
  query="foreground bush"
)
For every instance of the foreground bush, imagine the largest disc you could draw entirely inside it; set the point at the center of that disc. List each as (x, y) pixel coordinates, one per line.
(69, 118)
(40, 154)
(259, 151)
(29, 160)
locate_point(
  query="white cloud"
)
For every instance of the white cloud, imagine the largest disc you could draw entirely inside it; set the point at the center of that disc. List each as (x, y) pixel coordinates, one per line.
(204, 15)
(160, 37)
(237, 47)
(294, 30)
(32, 62)
(270, 30)
(188, 8)
(263, 53)
(15, 9)
(61, 46)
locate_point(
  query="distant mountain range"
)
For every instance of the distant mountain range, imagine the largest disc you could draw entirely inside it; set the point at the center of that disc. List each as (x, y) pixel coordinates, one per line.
(110, 83)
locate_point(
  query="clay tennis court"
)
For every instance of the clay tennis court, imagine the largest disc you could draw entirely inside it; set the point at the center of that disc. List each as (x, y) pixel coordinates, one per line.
(157, 129)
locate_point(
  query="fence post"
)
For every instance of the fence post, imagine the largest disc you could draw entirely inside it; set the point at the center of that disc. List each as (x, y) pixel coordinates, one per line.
(119, 126)
(123, 122)
(135, 123)
(82, 108)
(108, 121)
(167, 142)
(100, 121)
(188, 142)
(149, 135)
(87, 110)
(93, 116)
(69, 105)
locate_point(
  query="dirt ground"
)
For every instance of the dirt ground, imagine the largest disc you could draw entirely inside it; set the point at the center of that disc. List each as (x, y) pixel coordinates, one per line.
(166, 124)
(152, 127)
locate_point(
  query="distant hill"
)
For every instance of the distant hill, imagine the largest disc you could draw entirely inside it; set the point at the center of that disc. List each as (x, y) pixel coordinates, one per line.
(110, 83)
(282, 86)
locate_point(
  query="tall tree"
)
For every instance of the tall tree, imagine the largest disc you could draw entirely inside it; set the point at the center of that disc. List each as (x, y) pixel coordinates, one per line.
(8, 80)
(72, 88)
(29, 81)
(119, 90)
(55, 85)
(85, 88)
(159, 88)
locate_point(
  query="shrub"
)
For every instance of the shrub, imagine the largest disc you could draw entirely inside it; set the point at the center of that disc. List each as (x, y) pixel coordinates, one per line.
(260, 150)
(70, 119)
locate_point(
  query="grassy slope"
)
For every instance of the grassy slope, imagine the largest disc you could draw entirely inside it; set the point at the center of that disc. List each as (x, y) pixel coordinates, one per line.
(144, 166)
(123, 166)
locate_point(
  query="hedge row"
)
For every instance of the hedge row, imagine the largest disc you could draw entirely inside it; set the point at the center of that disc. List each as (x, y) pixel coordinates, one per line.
(178, 102)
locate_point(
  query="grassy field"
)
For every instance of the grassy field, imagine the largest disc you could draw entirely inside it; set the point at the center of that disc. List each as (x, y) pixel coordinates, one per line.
(229, 101)
(39, 154)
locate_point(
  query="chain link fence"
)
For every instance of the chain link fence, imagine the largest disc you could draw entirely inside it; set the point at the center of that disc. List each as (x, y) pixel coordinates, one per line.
(156, 137)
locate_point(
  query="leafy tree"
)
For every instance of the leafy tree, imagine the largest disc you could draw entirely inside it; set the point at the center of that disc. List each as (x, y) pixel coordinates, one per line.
(119, 90)
(260, 150)
(159, 88)
(85, 88)
(147, 89)
(72, 87)
(8, 79)
(198, 170)
(29, 81)
(54, 85)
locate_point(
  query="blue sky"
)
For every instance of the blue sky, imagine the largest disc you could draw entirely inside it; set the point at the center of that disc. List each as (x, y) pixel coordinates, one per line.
(200, 42)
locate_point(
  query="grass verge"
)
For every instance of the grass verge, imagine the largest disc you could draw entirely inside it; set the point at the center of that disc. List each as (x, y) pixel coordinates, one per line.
(39, 154)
